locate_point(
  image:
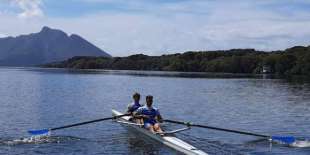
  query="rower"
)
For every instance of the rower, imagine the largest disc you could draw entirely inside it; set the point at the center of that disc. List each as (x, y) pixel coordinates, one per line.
(132, 107)
(135, 104)
(150, 115)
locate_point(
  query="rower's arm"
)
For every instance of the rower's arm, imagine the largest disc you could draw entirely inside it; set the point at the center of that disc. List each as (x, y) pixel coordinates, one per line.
(129, 106)
(139, 114)
(136, 113)
(159, 118)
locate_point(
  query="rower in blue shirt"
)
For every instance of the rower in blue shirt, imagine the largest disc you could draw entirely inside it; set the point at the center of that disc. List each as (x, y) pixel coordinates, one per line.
(135, 104)
(132, 107)
(151, 116)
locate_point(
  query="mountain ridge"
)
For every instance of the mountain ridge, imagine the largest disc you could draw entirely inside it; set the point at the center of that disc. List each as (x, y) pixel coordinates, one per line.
(48, 45)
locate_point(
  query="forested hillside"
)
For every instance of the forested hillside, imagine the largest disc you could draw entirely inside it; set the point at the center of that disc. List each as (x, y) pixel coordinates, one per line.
(294, 60)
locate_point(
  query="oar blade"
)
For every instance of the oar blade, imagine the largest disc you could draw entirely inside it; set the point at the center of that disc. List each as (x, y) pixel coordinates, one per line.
(284, 139)
(38, 132)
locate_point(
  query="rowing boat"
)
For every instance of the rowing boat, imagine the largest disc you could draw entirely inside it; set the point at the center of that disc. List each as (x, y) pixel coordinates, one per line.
(167, 138)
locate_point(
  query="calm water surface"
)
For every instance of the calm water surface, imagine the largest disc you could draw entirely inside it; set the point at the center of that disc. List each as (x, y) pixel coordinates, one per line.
(43, 98)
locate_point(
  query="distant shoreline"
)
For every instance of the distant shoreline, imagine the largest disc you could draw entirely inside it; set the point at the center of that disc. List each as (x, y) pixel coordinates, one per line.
(292, 61)
(175, 74)
(145, 73)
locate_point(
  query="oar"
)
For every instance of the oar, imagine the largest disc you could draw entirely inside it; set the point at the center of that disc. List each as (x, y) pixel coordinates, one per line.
(45, 131)
(282, 139)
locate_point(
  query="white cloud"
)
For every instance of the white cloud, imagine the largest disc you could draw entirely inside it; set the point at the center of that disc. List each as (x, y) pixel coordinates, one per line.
(30, 8)
(125, 34)
(177, 27)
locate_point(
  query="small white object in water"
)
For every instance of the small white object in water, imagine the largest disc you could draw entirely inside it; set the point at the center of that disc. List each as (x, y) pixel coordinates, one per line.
(301, 143)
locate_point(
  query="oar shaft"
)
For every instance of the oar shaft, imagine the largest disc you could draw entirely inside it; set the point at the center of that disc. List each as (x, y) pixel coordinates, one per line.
(230, 130)
(216, 128)
(87, 122)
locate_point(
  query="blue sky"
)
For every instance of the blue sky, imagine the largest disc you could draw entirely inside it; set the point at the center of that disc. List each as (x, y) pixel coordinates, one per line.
(155, 27)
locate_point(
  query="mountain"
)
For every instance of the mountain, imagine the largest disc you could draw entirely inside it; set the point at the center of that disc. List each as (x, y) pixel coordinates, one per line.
(48, 45)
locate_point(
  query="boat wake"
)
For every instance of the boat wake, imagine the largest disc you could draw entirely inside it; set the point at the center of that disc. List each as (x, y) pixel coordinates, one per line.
(39, 140)
(301, 143)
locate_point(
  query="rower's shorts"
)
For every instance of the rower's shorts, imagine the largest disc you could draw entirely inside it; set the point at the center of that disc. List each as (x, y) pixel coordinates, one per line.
(147, 124)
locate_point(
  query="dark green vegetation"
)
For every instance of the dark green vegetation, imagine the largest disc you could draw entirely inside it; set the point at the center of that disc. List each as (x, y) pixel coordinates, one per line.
(292, 61)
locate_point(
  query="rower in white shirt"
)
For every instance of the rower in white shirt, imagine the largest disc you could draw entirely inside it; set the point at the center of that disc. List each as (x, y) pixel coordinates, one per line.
(151, 116)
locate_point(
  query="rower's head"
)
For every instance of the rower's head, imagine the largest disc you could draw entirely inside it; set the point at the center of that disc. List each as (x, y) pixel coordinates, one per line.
(149, 100)
(136, 97)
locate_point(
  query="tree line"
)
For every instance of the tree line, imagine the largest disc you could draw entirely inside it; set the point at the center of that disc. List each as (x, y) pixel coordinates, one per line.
(292, 61)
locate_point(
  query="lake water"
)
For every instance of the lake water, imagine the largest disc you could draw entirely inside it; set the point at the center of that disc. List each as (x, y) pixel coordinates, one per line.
(42, 98)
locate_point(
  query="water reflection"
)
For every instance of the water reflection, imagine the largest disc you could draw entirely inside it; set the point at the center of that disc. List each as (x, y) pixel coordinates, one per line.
(34, 98)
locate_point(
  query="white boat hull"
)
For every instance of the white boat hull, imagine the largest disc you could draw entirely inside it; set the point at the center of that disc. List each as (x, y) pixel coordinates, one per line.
(170, 141)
